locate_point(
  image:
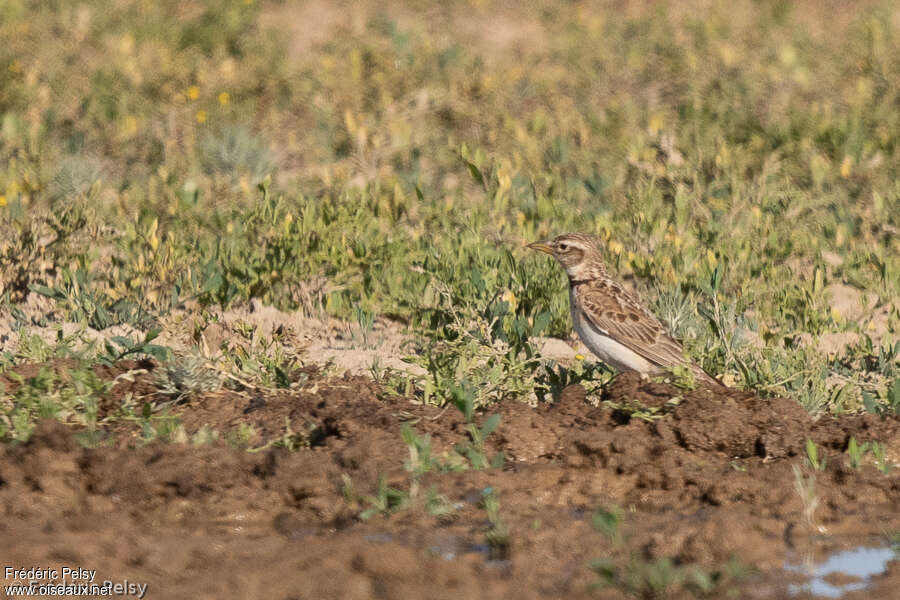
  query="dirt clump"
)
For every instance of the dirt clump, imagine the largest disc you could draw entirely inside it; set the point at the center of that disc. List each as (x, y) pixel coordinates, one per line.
(707, 479)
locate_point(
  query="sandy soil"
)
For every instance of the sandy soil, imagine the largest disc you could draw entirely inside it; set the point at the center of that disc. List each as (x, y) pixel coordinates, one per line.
(714, 478)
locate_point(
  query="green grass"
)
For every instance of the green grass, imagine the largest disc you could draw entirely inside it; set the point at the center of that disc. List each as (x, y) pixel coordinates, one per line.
(640, 577)
(152, 156)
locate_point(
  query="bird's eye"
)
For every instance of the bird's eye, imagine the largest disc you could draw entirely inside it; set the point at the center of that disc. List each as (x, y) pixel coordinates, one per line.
(563, 247)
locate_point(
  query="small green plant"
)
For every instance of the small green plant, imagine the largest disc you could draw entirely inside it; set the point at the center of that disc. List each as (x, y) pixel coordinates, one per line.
(293, 440)
(467, 455)
(479, 349)
(655, 578)
(634, 409)
(33, 348)
(204, 436)
(241, 437)
(856, 452)
(420, 460)
(234, 152)
(805, 486)
(474, 449)
(385, 500)
(609, 523)
(683, 377)
(366, 321)
(438, 505)
(268, 360)
(70, 397)
(881, 462)
(120, 347)
(892, 405)
(77, 294)
(497, 534)
(348, 491)
(162, 427)
(887, 402)
(591, 375)
(186, 377)
(391, 382)
(812, 456)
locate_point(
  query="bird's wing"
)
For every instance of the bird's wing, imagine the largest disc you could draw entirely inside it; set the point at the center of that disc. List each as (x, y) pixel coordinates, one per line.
(614, 312)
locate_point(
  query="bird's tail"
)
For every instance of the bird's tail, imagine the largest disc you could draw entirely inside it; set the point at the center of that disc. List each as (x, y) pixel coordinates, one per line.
(704, 377)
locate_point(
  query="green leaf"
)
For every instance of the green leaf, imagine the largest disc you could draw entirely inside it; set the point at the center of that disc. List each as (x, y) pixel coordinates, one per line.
(409, 437)
(46, 291)
(894, 396)
(214, 282)
(498, 460)
(541, 322)
(123, 341)
(490, 424)
(869, 402)
(476, 174)
(101, 319)
(463, 398)
(160, 353)
(608, 522)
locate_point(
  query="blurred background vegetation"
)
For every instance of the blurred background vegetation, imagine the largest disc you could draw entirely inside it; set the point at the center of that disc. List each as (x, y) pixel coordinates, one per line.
(354, 159)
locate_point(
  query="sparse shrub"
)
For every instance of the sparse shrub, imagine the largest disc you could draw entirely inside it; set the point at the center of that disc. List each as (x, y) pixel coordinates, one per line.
(235, 152)
(73, 178)
(186, 377)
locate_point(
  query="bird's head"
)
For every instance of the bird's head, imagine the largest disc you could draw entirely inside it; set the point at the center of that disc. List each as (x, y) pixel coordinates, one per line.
(579, 254)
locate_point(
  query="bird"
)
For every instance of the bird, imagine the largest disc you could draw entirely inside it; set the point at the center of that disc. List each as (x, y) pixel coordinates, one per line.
(612, 323)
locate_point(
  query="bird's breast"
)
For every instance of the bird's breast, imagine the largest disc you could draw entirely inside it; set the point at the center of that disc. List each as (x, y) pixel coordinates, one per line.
(602, 345)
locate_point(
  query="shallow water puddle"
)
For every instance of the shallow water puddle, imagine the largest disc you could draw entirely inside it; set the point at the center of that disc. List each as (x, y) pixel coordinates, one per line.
(842, 572)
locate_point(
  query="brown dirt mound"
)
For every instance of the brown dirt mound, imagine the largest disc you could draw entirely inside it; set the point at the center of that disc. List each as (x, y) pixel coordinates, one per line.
(712, 478)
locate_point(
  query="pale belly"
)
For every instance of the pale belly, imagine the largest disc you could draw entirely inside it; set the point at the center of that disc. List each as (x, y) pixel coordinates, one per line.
(605, 348)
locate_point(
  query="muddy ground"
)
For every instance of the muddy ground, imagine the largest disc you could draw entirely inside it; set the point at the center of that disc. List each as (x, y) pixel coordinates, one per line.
(713, 480)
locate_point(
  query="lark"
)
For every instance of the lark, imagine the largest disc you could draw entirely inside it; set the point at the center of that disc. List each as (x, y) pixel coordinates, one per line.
(612, 323)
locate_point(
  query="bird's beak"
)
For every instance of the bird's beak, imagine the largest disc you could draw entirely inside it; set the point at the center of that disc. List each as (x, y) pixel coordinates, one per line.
(542, 246)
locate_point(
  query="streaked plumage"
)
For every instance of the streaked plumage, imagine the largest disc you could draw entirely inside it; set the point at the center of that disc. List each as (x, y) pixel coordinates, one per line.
(610, 321)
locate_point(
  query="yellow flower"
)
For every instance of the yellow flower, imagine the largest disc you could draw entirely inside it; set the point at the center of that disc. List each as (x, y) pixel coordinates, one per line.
(2, 200)
(130, 125)
(615, 247)
(520, 218)
(224, 98)
(846, 167)
(193, 92)
(510, 299)
(201, 116)
(579, 357)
